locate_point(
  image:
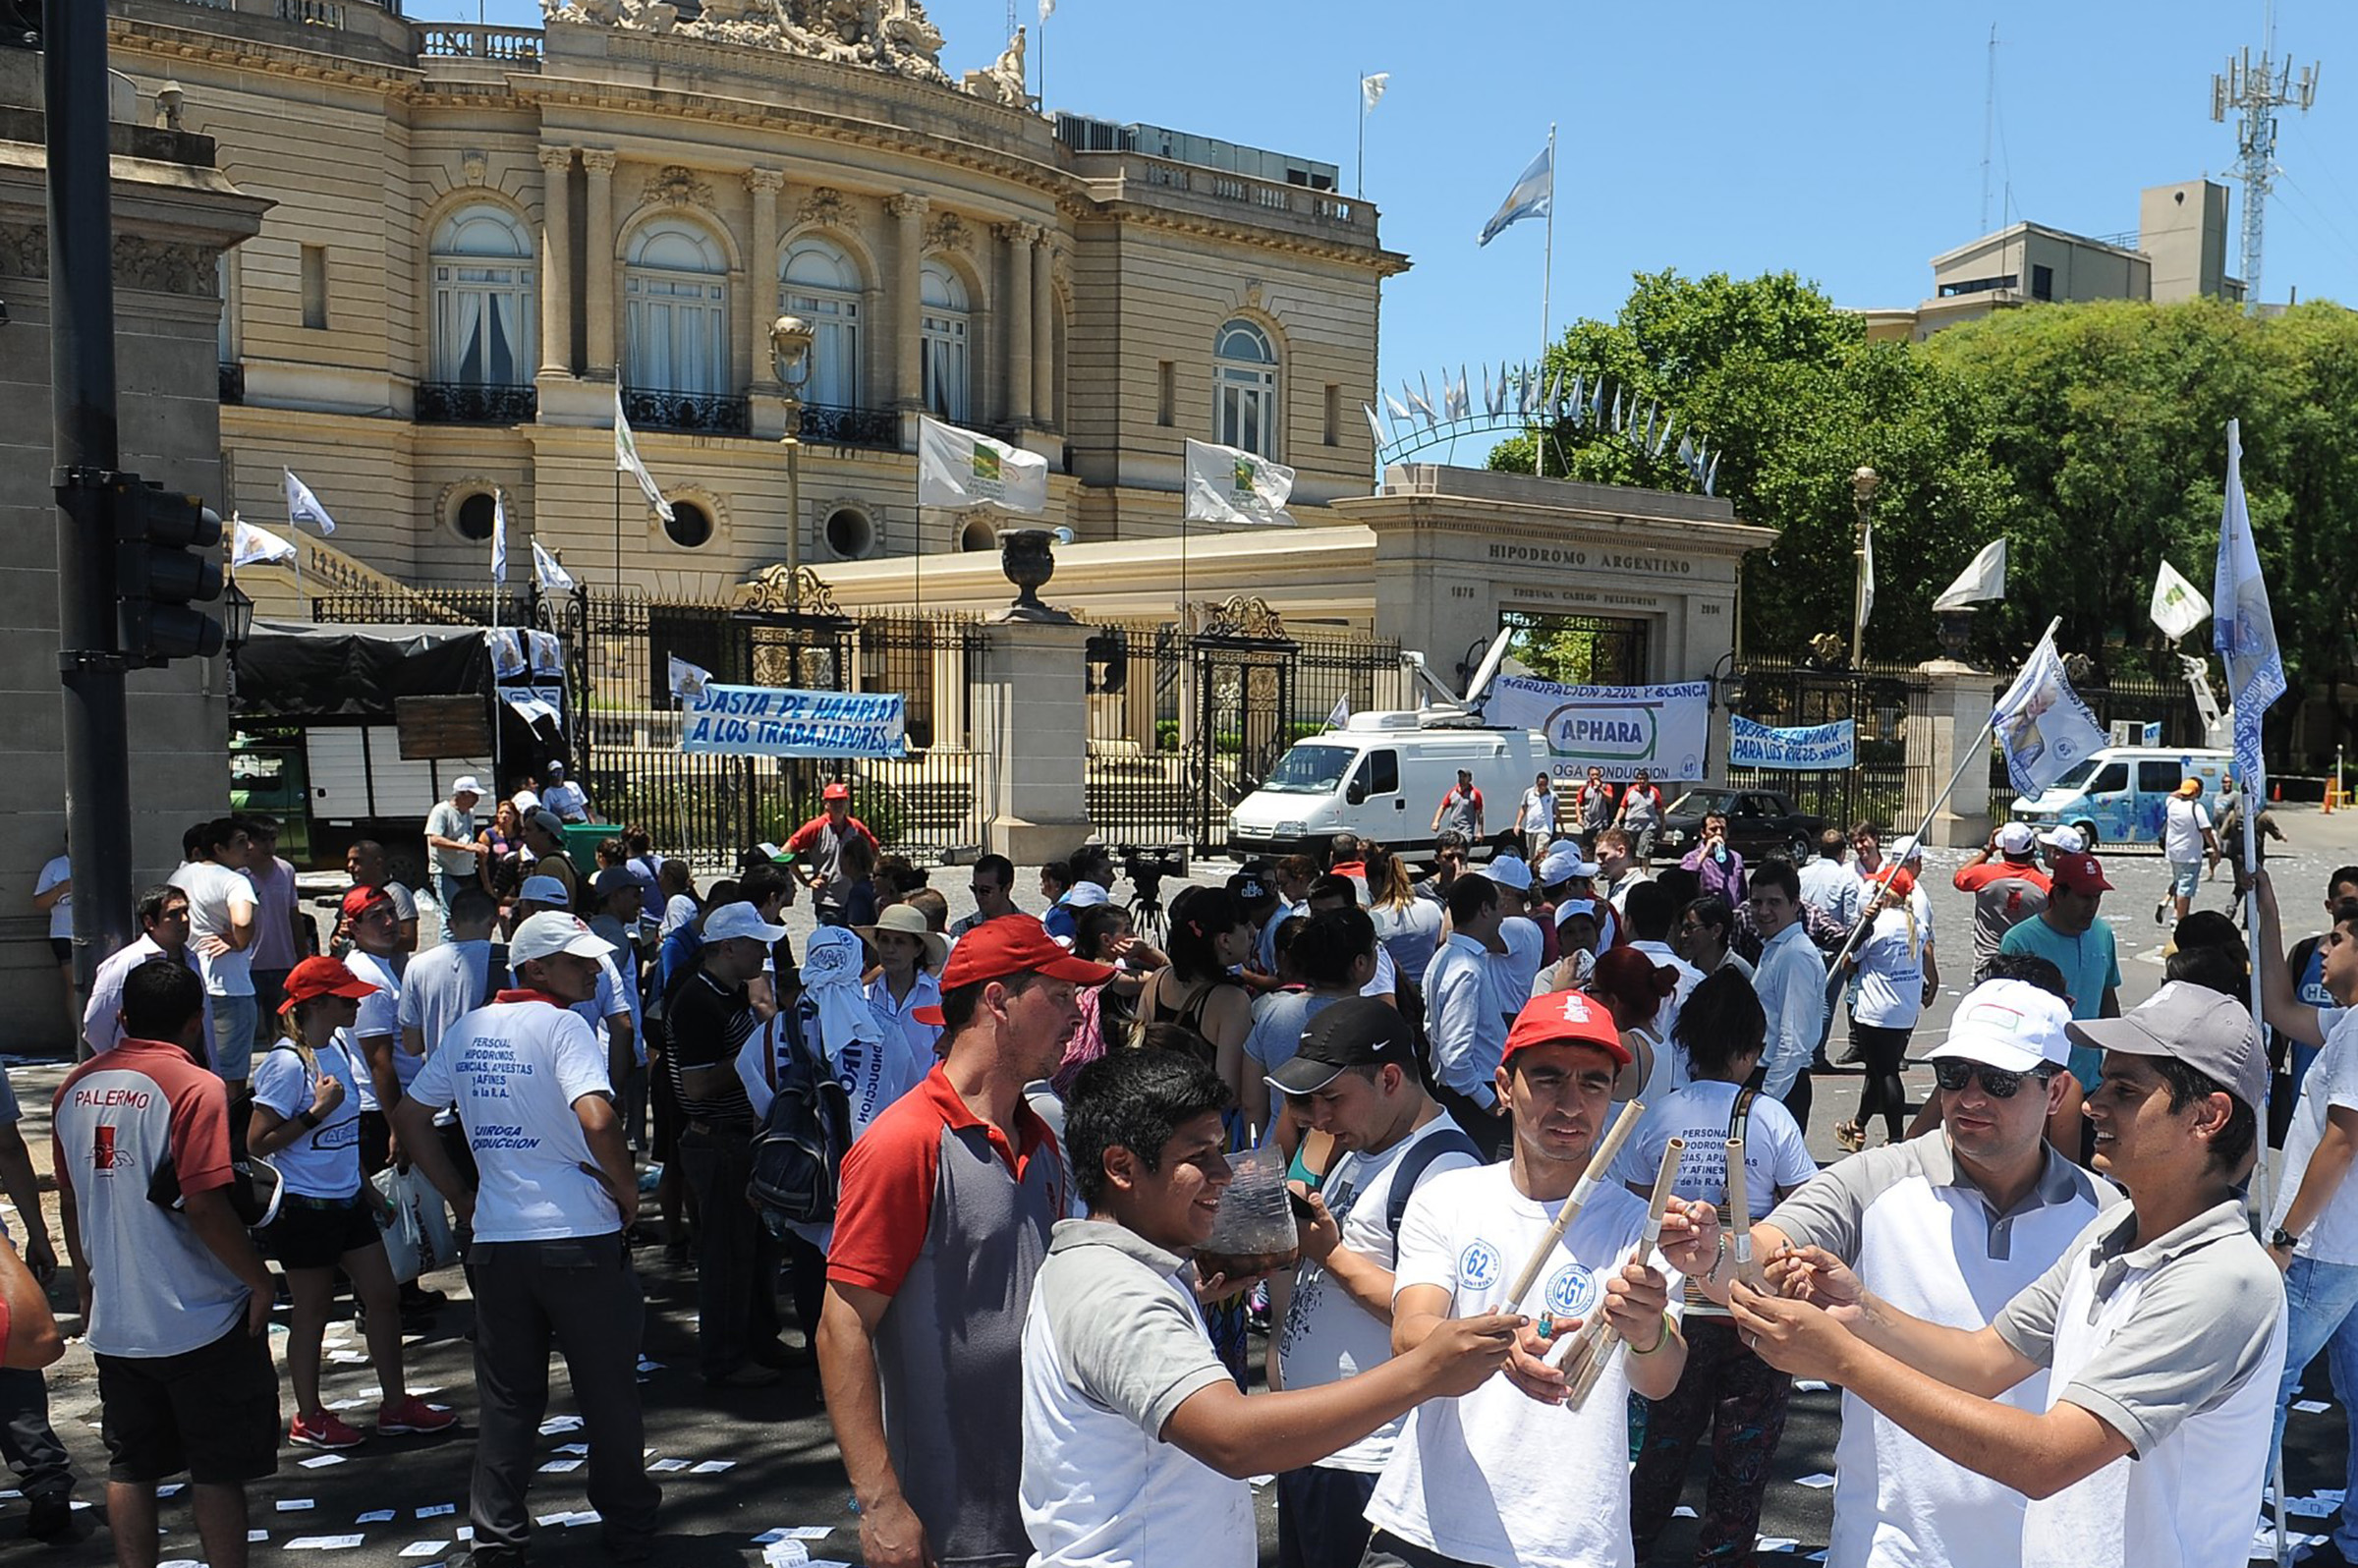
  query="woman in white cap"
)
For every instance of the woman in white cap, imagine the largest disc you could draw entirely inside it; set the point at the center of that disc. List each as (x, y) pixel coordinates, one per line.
(910, 953)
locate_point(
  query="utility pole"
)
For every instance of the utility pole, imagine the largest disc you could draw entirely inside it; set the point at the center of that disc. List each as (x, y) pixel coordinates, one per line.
(81, 372)
(2256, 91)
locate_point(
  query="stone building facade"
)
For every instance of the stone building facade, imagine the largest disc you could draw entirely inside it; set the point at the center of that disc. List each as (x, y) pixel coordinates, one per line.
(479, 233)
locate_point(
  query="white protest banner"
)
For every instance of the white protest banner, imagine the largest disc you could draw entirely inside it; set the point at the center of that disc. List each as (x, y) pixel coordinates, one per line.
(1618, 728)
(1815, 747)
(777, 721)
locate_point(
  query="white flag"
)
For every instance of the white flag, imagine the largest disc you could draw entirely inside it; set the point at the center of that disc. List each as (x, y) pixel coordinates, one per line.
(1983, 579)
(1047, 9)
(549, 573)
(1866, 575)
(2042, 724)
(252, 546)
(1533, 196)
(499, 537)
(958, 468)
(1341, 715)
(626, 461)
(1375, 424)
(2178, 606)
(2243, 629)
(688, 680)
(1370, 89)
(304, 507)
(1226, 485)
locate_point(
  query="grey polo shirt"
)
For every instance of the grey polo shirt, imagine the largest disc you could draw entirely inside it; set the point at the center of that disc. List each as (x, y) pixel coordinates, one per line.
(1831, 1209)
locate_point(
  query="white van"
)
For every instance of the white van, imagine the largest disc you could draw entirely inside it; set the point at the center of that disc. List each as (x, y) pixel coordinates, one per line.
(1381, 776)
(2116, 796)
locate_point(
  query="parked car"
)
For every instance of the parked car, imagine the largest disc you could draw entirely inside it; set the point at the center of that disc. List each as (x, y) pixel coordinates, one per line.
(1759, 823)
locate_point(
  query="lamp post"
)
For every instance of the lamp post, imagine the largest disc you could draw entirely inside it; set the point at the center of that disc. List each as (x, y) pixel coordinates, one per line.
(790, 355)
(1862, 493)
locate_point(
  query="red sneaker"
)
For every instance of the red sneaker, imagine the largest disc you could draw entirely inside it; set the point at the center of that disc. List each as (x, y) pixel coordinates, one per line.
(415, 1414)
(329, 1432)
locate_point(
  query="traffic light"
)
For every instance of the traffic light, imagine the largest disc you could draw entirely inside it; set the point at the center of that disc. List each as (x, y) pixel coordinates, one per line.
(166, 561)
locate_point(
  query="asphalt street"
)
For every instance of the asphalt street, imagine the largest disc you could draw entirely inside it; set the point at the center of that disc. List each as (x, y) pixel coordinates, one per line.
(781, 1468)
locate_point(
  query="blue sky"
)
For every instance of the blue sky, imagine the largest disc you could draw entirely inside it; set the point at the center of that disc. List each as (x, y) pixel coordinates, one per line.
(1840, 141)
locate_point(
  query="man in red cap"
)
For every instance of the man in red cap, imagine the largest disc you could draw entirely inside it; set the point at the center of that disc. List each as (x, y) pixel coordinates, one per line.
(818, 850)
(2067, 935)
(940, 1227)
(1511, 1472)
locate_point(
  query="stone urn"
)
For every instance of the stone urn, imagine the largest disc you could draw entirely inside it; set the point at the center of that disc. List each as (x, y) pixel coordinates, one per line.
(1955, 628)
(1028, 558)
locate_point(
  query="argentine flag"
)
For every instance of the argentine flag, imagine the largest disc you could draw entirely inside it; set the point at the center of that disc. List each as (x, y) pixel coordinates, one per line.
(1533, 196)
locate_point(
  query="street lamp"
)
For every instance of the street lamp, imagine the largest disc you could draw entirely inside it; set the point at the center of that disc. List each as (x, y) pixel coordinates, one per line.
(790, 355)
(1862, 492)
(237, 616)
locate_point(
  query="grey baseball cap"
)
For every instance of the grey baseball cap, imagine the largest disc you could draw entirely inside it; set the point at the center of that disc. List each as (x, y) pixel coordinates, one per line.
(2209, 1031)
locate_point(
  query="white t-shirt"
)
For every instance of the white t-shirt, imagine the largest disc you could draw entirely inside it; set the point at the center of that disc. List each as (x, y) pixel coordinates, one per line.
(1775, 1154)
(1511, 1480)
(446, 820)
(324, 1162)
(514, 1070)
(213, 889)
(1539, 810)
(2332, 1079)
(441, 985)
(564, 797)
(1890, 973)
(380, 1014)
(61, 912)
(910, 1044)
(2183, 824)
(1328, 1336)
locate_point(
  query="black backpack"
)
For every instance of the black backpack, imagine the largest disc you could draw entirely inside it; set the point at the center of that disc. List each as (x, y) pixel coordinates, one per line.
(798, 1154)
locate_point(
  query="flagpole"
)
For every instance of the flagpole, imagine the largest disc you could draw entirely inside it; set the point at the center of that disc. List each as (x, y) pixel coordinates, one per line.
(499, 589)
(1547, 273)
(1360, 185)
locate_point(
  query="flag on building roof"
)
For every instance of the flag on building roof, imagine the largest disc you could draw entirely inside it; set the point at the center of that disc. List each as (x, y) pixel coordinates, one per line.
(1371, 86)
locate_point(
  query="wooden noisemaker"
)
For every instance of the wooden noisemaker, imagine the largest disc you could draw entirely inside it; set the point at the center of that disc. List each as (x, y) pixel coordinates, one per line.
(1595, 1345)
(1739, 1216)
(1600, 1165)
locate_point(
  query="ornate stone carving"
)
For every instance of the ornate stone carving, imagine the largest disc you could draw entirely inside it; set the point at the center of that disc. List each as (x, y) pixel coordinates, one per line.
(600, 160)
(777, 589)
(677, 187)
(24, 251)
(556, 160)
(949, 232)
(760, 180)
(827, 207)
(1020, 234)
(907, 204)
(1252, 296)
(1003, 83)
(163, 266)
(474, 164)
(894, 36)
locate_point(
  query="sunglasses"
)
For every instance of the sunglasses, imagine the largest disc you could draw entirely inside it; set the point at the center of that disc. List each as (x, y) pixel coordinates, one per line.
(1996, 1082)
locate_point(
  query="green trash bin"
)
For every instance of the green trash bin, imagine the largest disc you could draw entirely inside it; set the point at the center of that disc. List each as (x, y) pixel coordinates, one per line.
(581, 840)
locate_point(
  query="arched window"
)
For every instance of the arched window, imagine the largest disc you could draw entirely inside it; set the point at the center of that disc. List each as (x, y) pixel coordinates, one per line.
(484, 317)
(1244, 389)
(822, 284)
(676, 290)
(944, 295)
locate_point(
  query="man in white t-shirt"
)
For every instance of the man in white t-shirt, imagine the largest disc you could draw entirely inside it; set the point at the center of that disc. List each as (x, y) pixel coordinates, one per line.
(450, 844)
(221, 929)
(2187, 842)
(1355, 1078)
(2161, 1326)
(564, 797)
(1534, 817)
(1947, 1228)
(1512, 1476)
(548, 1265)
(1137, 1443)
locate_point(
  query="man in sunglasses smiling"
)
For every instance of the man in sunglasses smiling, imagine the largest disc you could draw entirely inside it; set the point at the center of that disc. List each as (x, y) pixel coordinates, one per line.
(1949, 1228)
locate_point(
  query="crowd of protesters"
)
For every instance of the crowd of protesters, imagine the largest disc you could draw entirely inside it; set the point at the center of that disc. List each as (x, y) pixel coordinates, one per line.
(980, 1167)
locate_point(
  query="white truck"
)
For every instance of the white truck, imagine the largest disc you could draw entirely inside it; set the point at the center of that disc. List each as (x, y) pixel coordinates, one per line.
(1380, 776)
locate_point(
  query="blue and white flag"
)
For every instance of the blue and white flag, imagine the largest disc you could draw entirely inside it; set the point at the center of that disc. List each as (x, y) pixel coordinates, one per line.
(688, 680)
(252, 546)
(499, 537)
(1533, 196)
(548, 572)
(2243, 632)
(2042, 724)
(304, 507)
(1340, 714)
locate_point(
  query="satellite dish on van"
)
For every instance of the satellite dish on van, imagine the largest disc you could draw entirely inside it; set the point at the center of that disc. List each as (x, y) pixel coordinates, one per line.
(1487, 670)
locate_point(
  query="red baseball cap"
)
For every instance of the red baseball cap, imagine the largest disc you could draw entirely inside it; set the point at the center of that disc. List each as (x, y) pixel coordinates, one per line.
(1012, 944)
(360, 900)
(324, 976)
(1565, 1018)
(1903, 882)
(837, 791)
(2081, 873)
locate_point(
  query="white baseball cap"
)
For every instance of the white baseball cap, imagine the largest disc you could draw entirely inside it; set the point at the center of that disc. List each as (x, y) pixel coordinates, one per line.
(2064, 840)
(2016, 838)
(1509, 870)
(544, 890)
(741, 920)
(553, 932)
(1562, 865)
(2010, 1025)
(1905, 849)
(1575, 906)
(468, 785)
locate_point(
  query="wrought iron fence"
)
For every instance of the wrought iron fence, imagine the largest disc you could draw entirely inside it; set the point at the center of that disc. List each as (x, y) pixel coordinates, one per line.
(689, 413)
(1135, 775)
(829, 426)
(1889, 703)
(473, 403)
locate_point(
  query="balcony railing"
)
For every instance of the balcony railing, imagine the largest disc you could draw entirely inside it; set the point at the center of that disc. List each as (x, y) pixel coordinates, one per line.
(839, 427)
(233, 383)
(469, 41)
(471, 403)
(691, 413)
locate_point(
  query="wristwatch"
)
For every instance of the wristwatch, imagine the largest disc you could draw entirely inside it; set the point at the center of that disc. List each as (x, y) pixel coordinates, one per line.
(2281, 1240)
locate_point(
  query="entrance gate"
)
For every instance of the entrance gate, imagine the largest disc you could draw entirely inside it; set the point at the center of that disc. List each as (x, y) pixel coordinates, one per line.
(1244, 668)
